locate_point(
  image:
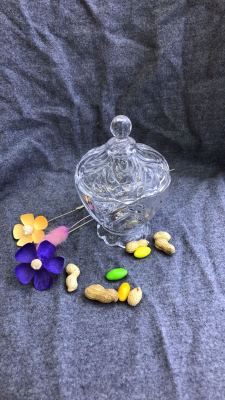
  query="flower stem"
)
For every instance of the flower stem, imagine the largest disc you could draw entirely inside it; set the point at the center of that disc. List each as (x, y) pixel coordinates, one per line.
(87, 222)
(76, 223)
(69, 212)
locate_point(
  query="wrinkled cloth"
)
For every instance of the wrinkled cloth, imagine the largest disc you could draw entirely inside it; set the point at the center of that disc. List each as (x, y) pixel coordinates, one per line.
(67, 68)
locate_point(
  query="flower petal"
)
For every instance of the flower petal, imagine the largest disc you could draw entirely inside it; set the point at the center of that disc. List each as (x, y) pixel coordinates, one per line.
(27, 219)
(46, 250)
(38, 236)
(40, 223)
(24, 273)
(24, 240)
(18, 231)
(27, 253)
(42, 280)
(54, 265)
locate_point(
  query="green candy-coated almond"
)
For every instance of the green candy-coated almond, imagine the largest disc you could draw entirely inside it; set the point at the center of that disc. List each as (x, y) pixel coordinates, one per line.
(142, 252)
(116, 274)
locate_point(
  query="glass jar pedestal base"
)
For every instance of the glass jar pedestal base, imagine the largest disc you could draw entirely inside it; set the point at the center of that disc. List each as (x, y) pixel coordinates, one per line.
(112, 239)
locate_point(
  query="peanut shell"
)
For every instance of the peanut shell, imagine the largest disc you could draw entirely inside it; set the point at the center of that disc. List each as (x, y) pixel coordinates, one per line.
(165, 246)
(162, 235)
(71, 283)
(134, 297)
(132, 246)
(73, 269)
(99, 293)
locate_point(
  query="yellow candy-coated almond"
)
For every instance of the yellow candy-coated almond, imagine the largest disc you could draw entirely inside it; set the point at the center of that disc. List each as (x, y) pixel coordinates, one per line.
(142, 252)
(123, 291)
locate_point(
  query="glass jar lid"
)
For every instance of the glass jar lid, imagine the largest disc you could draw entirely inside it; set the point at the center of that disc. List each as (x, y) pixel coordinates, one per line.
(122, 169)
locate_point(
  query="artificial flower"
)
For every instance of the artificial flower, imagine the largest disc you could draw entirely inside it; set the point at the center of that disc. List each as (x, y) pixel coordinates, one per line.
(38, 264)
(31, 230)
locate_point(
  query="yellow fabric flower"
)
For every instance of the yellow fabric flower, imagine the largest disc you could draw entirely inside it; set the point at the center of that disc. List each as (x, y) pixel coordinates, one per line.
(31, 229)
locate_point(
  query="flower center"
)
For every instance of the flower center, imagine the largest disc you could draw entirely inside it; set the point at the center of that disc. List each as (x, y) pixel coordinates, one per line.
(28, 229)
(36, 263)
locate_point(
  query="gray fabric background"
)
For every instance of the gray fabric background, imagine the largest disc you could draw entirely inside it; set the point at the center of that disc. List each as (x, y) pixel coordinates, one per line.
(67, 68)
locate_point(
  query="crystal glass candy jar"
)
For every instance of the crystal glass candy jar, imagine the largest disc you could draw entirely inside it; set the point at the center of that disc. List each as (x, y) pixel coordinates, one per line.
(122, 184)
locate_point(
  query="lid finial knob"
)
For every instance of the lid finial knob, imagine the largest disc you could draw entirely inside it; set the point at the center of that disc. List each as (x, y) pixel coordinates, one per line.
(121, 127)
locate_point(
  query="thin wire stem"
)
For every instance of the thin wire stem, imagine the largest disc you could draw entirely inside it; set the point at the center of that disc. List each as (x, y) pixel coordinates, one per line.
(87, 222)
(82, 219)
(67, 213)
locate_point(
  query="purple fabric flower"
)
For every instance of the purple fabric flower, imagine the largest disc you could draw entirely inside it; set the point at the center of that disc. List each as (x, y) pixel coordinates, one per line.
(38, 264)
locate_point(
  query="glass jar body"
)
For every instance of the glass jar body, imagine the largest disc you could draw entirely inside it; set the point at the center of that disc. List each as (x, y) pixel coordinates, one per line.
(119, 223)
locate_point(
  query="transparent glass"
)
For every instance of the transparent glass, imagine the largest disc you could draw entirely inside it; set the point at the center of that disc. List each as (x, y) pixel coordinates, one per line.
(122, 184)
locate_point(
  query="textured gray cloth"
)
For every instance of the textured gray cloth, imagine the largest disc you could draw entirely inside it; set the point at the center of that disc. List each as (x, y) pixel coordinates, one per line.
(67, 68)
